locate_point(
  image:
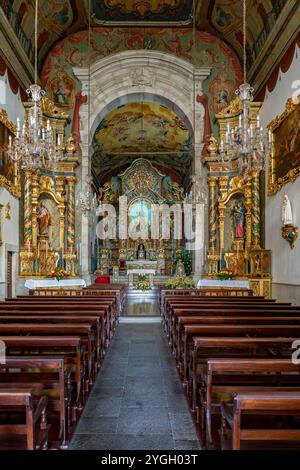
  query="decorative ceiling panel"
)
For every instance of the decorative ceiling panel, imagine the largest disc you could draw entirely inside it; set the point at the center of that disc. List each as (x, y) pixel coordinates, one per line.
(124, 11)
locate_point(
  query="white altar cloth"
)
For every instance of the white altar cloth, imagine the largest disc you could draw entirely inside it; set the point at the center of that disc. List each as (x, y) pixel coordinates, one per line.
(44, 283)
(218, 283)
(144, 262)
(141, 271)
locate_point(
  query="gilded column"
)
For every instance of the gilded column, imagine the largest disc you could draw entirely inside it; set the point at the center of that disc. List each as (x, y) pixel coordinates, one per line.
(223, 185)
(248, 207)
(27, 208)
(60, 190)
(34, 205)
(71, 181)
(256, 227)
(212, 182)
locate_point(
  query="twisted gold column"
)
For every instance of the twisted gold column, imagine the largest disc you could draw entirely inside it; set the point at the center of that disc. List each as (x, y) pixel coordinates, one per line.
(71, 180)
(256, 221)
(212, 182)
(27, 208)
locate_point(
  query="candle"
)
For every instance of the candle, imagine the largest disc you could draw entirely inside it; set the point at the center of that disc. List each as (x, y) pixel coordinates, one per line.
(240, 121)
(270, 137)
(18, 128)
(9, 141)
(257, 122)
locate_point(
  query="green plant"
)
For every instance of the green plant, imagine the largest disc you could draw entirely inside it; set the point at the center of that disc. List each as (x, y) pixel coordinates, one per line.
(180, 282)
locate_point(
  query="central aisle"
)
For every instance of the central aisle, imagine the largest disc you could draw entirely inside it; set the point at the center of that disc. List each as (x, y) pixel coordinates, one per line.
(137, 402)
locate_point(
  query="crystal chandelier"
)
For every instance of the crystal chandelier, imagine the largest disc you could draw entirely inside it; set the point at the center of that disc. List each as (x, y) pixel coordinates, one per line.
(196, 195)
(35, 145)
(87, 201)
(247, 143)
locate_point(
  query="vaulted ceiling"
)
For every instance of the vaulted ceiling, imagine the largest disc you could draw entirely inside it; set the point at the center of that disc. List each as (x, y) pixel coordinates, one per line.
(142, 129)
(223, 18)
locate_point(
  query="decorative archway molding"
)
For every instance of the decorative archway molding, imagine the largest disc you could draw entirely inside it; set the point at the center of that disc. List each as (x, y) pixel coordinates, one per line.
(121, 77)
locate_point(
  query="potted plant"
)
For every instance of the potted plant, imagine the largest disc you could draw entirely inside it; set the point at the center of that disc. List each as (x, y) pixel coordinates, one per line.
(143, 284)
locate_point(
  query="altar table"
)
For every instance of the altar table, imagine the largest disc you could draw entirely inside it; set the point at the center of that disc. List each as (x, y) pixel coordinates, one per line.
(33, 284)
(228, 283)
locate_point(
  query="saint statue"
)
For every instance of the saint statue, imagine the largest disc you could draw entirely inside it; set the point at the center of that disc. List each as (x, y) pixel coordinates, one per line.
(239, 220)
(286, 211)
(44, 219)
(141, 254)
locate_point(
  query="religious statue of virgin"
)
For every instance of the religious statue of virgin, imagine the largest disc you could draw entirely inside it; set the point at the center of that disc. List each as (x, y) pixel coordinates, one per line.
(239, 220)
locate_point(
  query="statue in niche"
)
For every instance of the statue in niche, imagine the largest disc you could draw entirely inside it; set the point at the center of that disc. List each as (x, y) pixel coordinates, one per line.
(141, 253)
(239, 220)
(44, 219)
(286, 211)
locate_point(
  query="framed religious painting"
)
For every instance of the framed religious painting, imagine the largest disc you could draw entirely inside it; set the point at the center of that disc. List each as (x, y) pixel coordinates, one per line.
(285, 155)
(9, 170)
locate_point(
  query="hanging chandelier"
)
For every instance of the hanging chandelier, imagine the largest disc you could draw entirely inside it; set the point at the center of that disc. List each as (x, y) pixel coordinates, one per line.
(35, 145)
(246, 144)
(87, 199)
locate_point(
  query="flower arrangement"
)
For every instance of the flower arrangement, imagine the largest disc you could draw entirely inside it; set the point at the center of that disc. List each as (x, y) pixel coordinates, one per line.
(224, 275)
(59, 274)
(180, 282)
(143, 285)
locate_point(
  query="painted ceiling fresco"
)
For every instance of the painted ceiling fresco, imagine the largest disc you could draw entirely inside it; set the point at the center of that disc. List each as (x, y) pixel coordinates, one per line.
(222, 18)
(136, 130)
(58, 78)
(178, 11)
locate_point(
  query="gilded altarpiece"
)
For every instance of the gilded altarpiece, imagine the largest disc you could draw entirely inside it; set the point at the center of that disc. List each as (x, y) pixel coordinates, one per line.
(144, 187)
(49, 208)
(235, 203)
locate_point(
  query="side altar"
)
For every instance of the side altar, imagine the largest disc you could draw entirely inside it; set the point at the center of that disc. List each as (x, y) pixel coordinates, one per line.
(48, 226)
(236, 242)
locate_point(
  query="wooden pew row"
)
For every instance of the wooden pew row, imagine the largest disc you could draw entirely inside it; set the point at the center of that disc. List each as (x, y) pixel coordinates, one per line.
(221, 379)
(71, 348)
(83, 331)
(263, 404)
(226, 310)
(33, 435)
(45, 377)
(108, 324)
(187, 327)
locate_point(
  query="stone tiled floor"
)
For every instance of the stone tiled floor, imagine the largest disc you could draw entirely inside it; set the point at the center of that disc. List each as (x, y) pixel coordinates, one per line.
(137, 402)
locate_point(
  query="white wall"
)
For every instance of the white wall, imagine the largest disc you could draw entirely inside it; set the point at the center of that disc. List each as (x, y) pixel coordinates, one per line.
(10, 228)
(285, 262)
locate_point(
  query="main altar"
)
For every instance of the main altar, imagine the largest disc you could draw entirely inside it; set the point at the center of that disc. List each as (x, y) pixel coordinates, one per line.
(149, 241)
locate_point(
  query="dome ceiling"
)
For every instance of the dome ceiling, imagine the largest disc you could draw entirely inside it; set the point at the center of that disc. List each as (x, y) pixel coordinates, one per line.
(147, 130)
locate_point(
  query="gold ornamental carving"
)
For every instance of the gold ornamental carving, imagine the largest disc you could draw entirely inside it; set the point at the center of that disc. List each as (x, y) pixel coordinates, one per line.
(141, 181)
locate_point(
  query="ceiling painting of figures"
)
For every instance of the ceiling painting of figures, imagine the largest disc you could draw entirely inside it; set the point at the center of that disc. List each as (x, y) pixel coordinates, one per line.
(143, 129)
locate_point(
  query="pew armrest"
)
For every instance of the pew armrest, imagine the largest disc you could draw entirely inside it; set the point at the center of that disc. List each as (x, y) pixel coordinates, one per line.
(40, 411)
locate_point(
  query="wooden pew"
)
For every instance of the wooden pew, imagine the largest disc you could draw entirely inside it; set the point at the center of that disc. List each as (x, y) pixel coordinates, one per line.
(45, 377)
(221, 379)
(262, 405)
(33, 435)
(70, 348)
(250, 330)
(84, 331)
(228, 310)
(219, 320)
(217, 347)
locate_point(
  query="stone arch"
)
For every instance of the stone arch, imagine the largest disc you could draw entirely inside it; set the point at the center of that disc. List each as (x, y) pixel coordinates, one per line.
(122, 76)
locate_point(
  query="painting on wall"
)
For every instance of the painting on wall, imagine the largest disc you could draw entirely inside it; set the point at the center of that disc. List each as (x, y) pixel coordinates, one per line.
(285, 155)
(8, 169)
(62, 90)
